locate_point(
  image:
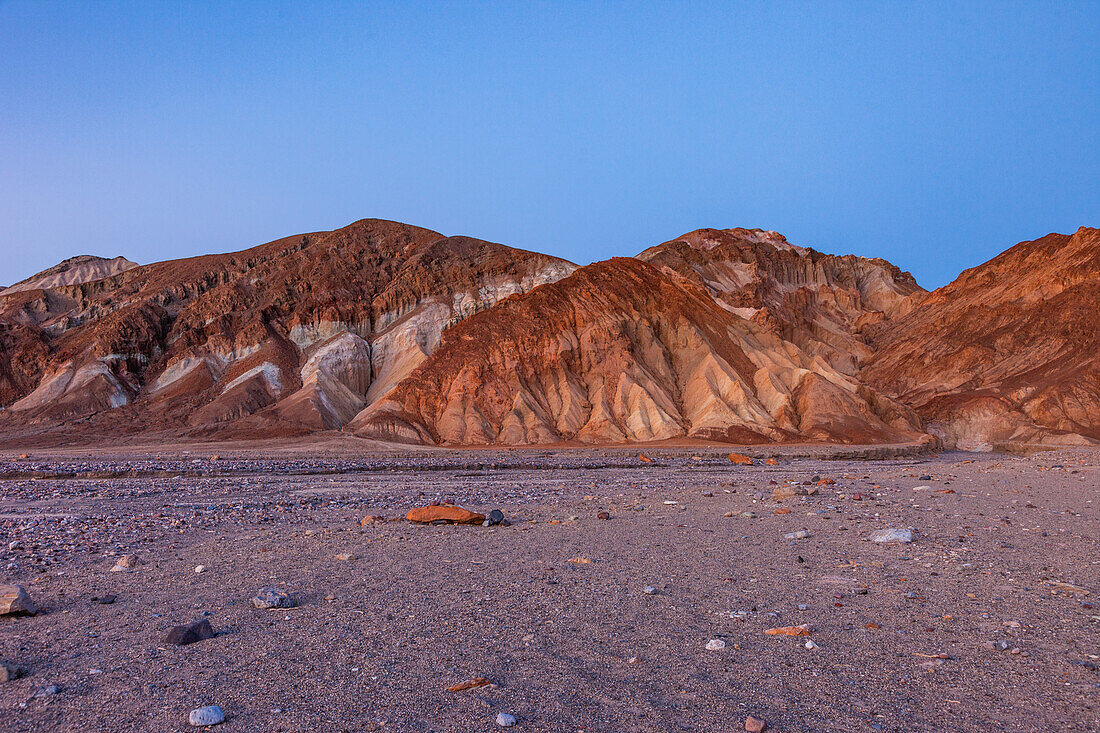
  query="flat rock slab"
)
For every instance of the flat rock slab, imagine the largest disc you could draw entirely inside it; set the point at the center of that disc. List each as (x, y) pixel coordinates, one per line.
(444, 513)
(905, 536)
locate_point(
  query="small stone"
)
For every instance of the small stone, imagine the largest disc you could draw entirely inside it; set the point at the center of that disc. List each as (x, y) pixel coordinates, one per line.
(649, 590)
(904, 536)
(272, 597)
(200, 568)
(715, 645)
(126, 562)
(190, 633)
(755, 725)
(105, 600)
(209, 715)
(504, 720)
(811, 645)
(47, 691)
(13, 545)
(343, 556)
(9, 672)
(740, 459)
(800, 630)
(469, 685)
(799, 535)
(495, 517)
(603, 515)
(747, 515)
(15, 601)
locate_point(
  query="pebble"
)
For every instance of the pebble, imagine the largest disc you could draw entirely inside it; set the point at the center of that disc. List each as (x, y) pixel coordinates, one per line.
(15, 601)
(799, 535)
(47, 691)
(271, 597)
(504, 720)
(649, 590)
(811, 645)
(190, 633)
(715, 645)
(755, 725)
(209, 715)
(126, 562)
(200, 568)
(495, 517)
(905, 536)
(9, 672)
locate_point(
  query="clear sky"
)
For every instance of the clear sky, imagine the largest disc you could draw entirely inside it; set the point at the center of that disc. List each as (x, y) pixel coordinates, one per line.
(932, 134)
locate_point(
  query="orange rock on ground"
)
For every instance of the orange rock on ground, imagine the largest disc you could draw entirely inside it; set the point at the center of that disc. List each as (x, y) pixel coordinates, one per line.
(469, 684)
(446, 513)
(800, 630)
(739, 459)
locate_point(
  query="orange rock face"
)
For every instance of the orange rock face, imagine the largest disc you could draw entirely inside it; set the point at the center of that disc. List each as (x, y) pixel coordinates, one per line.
(444, 513)
(1007, 352)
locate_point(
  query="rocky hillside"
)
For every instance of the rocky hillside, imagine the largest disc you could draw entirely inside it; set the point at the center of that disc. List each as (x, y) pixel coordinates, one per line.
(1007, 353)
(398, 333)
(313, 327)
(622, 350)
(822, 303)
(73, 271)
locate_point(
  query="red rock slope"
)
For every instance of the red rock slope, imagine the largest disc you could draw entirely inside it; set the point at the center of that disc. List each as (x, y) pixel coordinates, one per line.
(299, 334)
(823, 303)
(624, 350)
(1007, 353)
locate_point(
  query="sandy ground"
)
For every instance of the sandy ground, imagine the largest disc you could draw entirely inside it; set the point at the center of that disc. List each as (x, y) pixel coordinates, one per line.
(552, 608)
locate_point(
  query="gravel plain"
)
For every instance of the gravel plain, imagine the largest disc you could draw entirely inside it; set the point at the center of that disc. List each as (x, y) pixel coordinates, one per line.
(987, 620)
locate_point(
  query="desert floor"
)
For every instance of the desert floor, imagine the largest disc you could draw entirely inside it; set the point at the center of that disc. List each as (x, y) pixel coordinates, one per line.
(552, 609)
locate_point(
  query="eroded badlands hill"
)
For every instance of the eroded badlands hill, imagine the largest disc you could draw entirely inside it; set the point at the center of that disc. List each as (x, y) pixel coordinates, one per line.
(399, 333)
(622, 350)
(73, 271)
(823, 303)
(306, 330)
(1007, 353)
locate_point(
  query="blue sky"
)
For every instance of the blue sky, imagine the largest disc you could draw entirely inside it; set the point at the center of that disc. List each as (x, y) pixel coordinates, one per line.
(932, 134)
